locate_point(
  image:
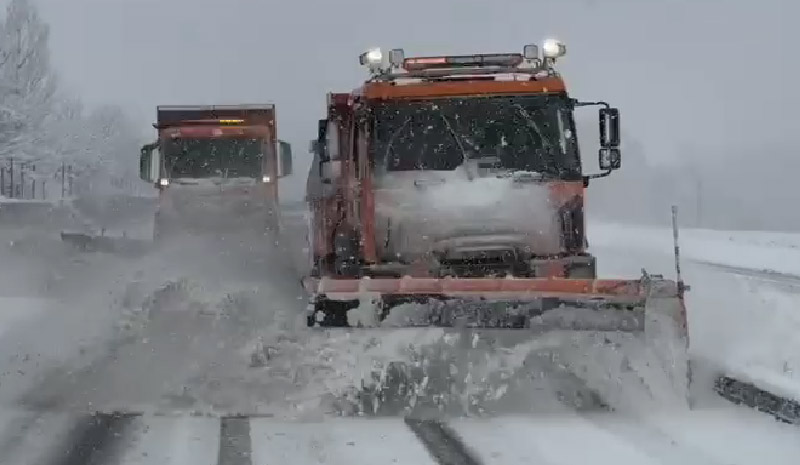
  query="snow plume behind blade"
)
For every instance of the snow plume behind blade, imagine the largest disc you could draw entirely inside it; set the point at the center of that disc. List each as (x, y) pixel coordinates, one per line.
(620, 341)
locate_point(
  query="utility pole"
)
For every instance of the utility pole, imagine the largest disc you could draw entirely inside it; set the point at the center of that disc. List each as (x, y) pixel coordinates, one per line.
(699, 206)
(11, 176)
(22, 167)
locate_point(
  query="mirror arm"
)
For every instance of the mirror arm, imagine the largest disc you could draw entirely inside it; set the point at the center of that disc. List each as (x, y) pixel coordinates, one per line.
(587, 177)
(578, 103)
(150, 146)
(598, 175)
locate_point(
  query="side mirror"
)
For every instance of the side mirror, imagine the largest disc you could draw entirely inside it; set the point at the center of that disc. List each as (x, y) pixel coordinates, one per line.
(144, 165)
(609, 127)
(332, 141)
(329, 171)
(322, 136)
(610, 159)
(313, 146)
(284, 159)
(150, 163)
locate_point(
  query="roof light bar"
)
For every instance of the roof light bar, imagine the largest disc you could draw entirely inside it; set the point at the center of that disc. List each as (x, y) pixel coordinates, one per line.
(533, 59)
(466, 61)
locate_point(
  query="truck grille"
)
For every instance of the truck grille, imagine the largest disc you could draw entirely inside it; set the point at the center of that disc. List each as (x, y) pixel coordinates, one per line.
(482, 263)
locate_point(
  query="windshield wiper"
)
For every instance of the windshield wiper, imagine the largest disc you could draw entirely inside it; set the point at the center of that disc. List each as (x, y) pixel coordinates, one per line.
(464, 157)
(532, 124)
(390, 143)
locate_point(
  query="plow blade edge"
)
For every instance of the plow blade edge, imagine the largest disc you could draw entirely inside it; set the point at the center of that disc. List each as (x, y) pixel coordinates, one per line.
(529, 303)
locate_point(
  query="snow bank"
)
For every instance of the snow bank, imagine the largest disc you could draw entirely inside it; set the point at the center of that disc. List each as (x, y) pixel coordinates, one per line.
(758, 250)
(762, 336)
(4, 199)
(740, 321)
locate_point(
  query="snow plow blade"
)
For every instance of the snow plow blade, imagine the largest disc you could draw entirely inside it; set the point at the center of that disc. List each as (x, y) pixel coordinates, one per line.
(526, 303)
(648, 313)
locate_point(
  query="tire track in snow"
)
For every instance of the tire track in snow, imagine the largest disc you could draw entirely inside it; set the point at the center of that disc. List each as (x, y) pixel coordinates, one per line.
(790, 281)
(442, 442)
(633, 428)
(235, 447)
(94, 440)
(651, 440)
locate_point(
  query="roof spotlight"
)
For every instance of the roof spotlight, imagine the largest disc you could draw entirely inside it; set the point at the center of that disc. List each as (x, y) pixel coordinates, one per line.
(552, 48)
(371, 57)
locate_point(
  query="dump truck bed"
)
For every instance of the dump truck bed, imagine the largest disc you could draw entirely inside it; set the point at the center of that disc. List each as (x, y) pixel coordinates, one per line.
(254, 114)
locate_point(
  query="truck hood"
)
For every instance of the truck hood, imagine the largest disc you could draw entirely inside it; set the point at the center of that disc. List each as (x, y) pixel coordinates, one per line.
(421, 212)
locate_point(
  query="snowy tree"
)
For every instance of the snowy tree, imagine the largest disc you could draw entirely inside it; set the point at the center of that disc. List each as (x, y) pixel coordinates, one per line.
(109, 157)
(27, 82)
(66, 131)
(44, 131)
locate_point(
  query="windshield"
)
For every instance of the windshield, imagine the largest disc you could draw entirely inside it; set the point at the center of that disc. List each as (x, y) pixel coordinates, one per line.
(532, 133)
(204, 158)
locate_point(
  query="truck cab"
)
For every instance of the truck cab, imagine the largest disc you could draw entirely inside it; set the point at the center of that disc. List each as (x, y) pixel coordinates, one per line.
(463, 166)
(216, 167)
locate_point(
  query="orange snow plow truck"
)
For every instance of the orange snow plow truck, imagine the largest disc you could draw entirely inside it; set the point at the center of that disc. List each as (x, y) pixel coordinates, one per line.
(216, 168)
(449, 191)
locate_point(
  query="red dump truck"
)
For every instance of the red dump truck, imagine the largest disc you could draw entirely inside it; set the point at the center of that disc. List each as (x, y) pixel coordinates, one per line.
(216, 168)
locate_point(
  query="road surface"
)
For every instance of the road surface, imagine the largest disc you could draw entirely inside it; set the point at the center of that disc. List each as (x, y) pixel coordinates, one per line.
(184, 340)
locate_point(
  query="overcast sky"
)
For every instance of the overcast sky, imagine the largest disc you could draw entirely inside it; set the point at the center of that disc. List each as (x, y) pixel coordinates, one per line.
(714, 73)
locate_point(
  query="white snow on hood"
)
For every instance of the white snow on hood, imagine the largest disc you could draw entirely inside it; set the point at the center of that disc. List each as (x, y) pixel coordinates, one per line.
(418, 208)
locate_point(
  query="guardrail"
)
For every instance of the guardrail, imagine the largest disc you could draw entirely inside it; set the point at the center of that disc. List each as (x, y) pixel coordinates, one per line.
(747, 393)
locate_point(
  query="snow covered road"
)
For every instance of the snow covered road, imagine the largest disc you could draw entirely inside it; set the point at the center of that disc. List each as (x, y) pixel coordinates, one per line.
(213, 327)
(714, 436)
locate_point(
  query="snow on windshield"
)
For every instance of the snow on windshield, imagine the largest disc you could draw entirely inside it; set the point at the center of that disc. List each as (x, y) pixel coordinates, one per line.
(218, 157)
(519, 133)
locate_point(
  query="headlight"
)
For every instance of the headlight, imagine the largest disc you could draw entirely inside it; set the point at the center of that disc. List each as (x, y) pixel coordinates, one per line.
(164, 182)
(266, 179)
